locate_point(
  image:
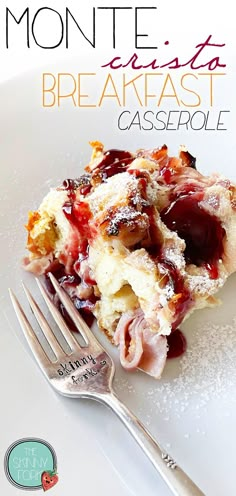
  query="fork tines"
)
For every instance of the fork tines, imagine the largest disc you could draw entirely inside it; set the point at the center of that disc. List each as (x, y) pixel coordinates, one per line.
(48, 333)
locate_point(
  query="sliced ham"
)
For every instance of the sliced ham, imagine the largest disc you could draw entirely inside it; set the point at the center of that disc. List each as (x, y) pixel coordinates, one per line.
(38, 265)
(154, 353)
(139, 346)
(129, 336)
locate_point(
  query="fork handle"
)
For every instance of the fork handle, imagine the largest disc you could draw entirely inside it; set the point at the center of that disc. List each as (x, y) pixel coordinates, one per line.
(176, 479)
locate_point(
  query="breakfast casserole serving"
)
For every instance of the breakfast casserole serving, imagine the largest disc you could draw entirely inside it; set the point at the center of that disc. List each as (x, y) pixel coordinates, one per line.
(140, 240)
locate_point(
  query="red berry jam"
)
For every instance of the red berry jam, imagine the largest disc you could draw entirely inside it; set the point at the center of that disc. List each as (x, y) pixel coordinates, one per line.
(202, 232)
(78, 214)
(166, 173)
(82, 184)
(113, 162)
(155, 236)
(177, 344)
(85, 190)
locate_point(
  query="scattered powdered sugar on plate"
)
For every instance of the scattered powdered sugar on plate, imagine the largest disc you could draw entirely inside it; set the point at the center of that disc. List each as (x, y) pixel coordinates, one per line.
(206, 372)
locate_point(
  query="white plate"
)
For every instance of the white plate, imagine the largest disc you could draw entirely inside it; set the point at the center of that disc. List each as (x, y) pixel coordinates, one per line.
(191, 410)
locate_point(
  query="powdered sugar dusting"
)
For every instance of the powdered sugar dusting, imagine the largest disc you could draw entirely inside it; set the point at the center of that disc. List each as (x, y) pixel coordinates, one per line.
(113, 192)
(126, 215)
(202, 283)
(207, 372)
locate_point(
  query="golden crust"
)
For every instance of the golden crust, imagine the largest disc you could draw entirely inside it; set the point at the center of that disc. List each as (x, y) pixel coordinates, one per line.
(97, 152)
(42, 234)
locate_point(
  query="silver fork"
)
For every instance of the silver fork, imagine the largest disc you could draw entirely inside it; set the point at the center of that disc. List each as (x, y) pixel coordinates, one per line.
(87, 372)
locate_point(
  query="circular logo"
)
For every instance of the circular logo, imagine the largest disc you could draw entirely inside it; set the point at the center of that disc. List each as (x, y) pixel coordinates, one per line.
(31, 463)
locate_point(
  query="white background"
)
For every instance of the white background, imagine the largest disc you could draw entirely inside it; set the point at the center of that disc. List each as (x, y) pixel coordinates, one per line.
(184, 23)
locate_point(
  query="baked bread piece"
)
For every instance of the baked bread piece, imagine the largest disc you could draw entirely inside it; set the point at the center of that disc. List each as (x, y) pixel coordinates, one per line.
(140, 240)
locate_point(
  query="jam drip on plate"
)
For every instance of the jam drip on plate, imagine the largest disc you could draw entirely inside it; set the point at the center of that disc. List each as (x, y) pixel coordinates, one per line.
(177, 344)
